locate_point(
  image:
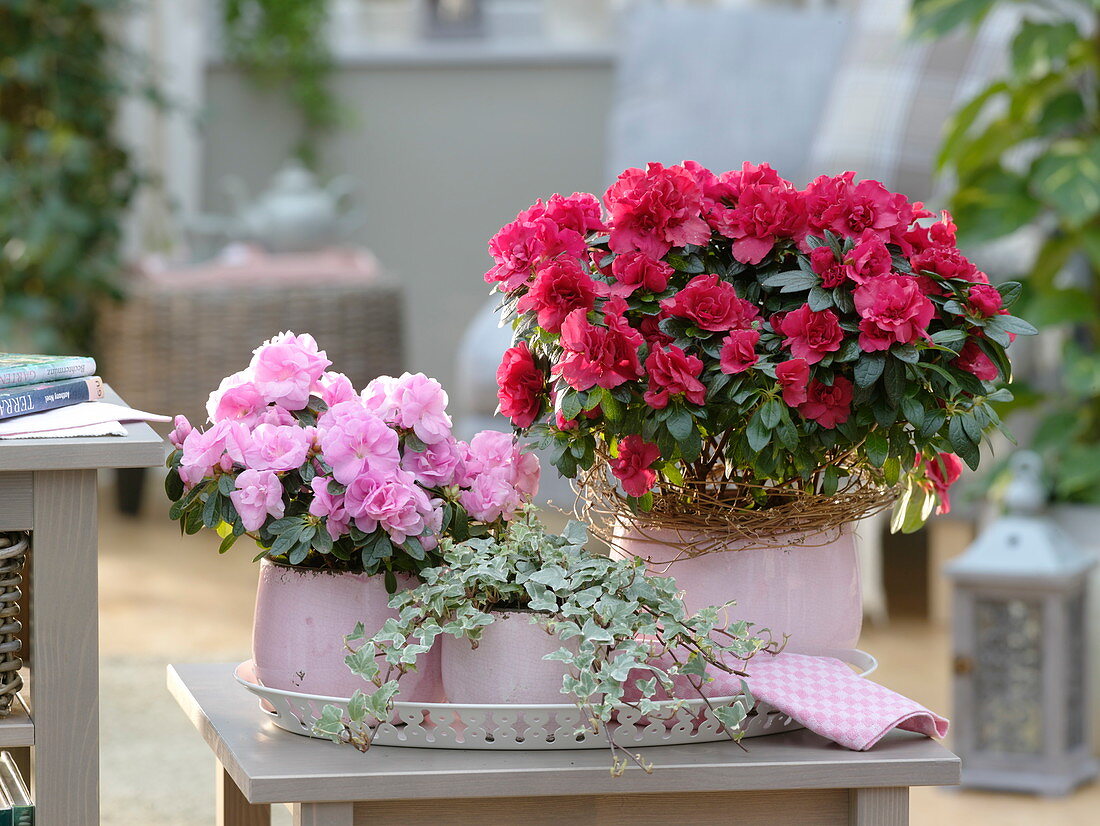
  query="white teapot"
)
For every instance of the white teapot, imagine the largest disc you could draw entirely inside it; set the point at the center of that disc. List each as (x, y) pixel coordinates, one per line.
(294, 214)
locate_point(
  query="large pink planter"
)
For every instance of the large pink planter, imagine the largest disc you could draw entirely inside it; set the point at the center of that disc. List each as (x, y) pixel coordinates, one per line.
(506, 667)
(302, 617)
(808, 588)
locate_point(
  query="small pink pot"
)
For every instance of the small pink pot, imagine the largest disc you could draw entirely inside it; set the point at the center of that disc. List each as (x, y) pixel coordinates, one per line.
(506, 667)
(808, 587)
(302, 617)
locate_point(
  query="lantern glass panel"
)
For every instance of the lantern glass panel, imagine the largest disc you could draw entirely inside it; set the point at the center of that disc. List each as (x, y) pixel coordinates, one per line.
(1075, 688)
(1008, 675)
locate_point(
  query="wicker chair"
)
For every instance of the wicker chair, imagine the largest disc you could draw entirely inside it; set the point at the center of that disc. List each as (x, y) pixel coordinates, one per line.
(172, 341)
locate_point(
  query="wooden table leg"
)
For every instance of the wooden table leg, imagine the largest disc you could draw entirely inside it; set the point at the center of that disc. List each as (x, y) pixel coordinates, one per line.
(65, 641)
(879, 807)
(323, 814)
(233, 808)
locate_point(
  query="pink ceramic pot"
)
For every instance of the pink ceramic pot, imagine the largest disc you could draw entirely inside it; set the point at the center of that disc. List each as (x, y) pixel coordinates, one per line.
(302, 617)
(808, 588)
(507, 665)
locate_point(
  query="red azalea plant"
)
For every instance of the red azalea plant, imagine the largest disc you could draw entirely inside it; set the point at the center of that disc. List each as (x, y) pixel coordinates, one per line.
(736, 332)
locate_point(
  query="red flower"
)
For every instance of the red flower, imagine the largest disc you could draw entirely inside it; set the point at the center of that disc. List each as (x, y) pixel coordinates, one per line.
(560, 287)
(985, 300)
(869, 258)
(632, 467)
(942, 471)
(520, 385)
(947, 262)
(655, 210)
(974, 361)
(603, 356)
(894, 310)
(580, 212)
(828, 406)
(650, 329)
(849, 208)
(739, 351)
(636, 270)
(711, 305)
(793, 377)
(811, 335)
(763, 216)
(833, 273)
(524, 244)
(673, 373)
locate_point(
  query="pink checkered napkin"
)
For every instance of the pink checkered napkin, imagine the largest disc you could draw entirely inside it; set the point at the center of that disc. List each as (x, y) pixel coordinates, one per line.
(828, 698)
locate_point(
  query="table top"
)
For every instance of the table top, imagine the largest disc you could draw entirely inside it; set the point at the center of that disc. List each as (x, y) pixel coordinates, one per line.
(270, 765)
(141, 447)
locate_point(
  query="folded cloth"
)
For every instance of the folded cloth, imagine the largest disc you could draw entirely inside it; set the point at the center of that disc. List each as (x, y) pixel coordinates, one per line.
(828, 698)
(821, 693)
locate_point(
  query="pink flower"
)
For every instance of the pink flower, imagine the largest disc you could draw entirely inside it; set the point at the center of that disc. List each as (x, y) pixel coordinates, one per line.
(335, 388)
(492, 495)
(985, 300)
(828, 406)
(491, 451)
(180, 430)
(521, 386)
(633, 466)
(974, 361)
(869, 258)
(379, 397)
(793, 376)
(420, 405)
(811, 335)
(849, 208)
(258, 495)
(739, 351)
(279, 447)
(893, 309)
(636, 270)
(673, 373)
(202, 450)
(764, 215)
(942, 471)
(560, 287)
(833, 273)
(354, 441)
(603, 356)
(439, 465)
(286, 368)
(392, 501)
(654, 210)
(528, 471)
(711, 304)
(580, 212)
(241, 448)
(525, 243)
(330, 506)
(243, 407)
(276, 415)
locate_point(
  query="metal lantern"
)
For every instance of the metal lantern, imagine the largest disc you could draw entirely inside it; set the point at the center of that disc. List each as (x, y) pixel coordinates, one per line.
(1021, 717)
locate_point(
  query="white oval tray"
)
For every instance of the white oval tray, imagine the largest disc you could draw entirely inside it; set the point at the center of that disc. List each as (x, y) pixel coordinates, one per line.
(528, 727)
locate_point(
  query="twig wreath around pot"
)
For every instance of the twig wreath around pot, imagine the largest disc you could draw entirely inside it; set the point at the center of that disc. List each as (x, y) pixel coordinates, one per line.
(726, 361)
(531, 616)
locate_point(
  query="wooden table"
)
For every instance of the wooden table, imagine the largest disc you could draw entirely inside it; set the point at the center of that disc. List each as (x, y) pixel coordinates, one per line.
(795, 778)
(48, 487)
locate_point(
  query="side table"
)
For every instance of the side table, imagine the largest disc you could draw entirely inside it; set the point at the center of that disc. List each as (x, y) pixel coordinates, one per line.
(797, 777)
(48, 487)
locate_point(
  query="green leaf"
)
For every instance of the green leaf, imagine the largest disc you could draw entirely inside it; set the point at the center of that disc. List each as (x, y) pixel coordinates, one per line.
(819, 299)
(947, 337)
(790, 281)
(961, 442)
(1040, 47)
(877, 448)
(935, 18)
(1012, 324)
(992, 204)
(571, 404)
(680, 424)
(1067, 177)
(758, 433)
(894, 379)
(227, 543)
(869, 368)
(771, 413)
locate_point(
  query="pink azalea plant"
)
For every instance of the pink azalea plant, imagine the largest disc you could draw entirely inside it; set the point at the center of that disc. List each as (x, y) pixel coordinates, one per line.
(701, 326)
(323, 476)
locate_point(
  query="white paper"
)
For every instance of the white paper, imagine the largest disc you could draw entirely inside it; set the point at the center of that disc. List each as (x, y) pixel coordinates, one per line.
(88, 414)
(105, 429)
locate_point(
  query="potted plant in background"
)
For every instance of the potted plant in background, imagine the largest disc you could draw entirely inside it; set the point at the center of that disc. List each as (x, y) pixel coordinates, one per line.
(346, 494)
(1025, 153)
(525, 617)
(729, 363)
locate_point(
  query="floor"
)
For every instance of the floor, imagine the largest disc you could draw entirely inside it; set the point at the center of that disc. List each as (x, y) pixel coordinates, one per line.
(167, 598)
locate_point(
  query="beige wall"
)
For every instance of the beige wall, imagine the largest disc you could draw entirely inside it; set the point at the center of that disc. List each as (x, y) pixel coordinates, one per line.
(442, 155)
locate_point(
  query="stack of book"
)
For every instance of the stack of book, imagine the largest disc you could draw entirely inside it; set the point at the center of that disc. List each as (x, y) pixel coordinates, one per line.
(16, 804)
(31, 384)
